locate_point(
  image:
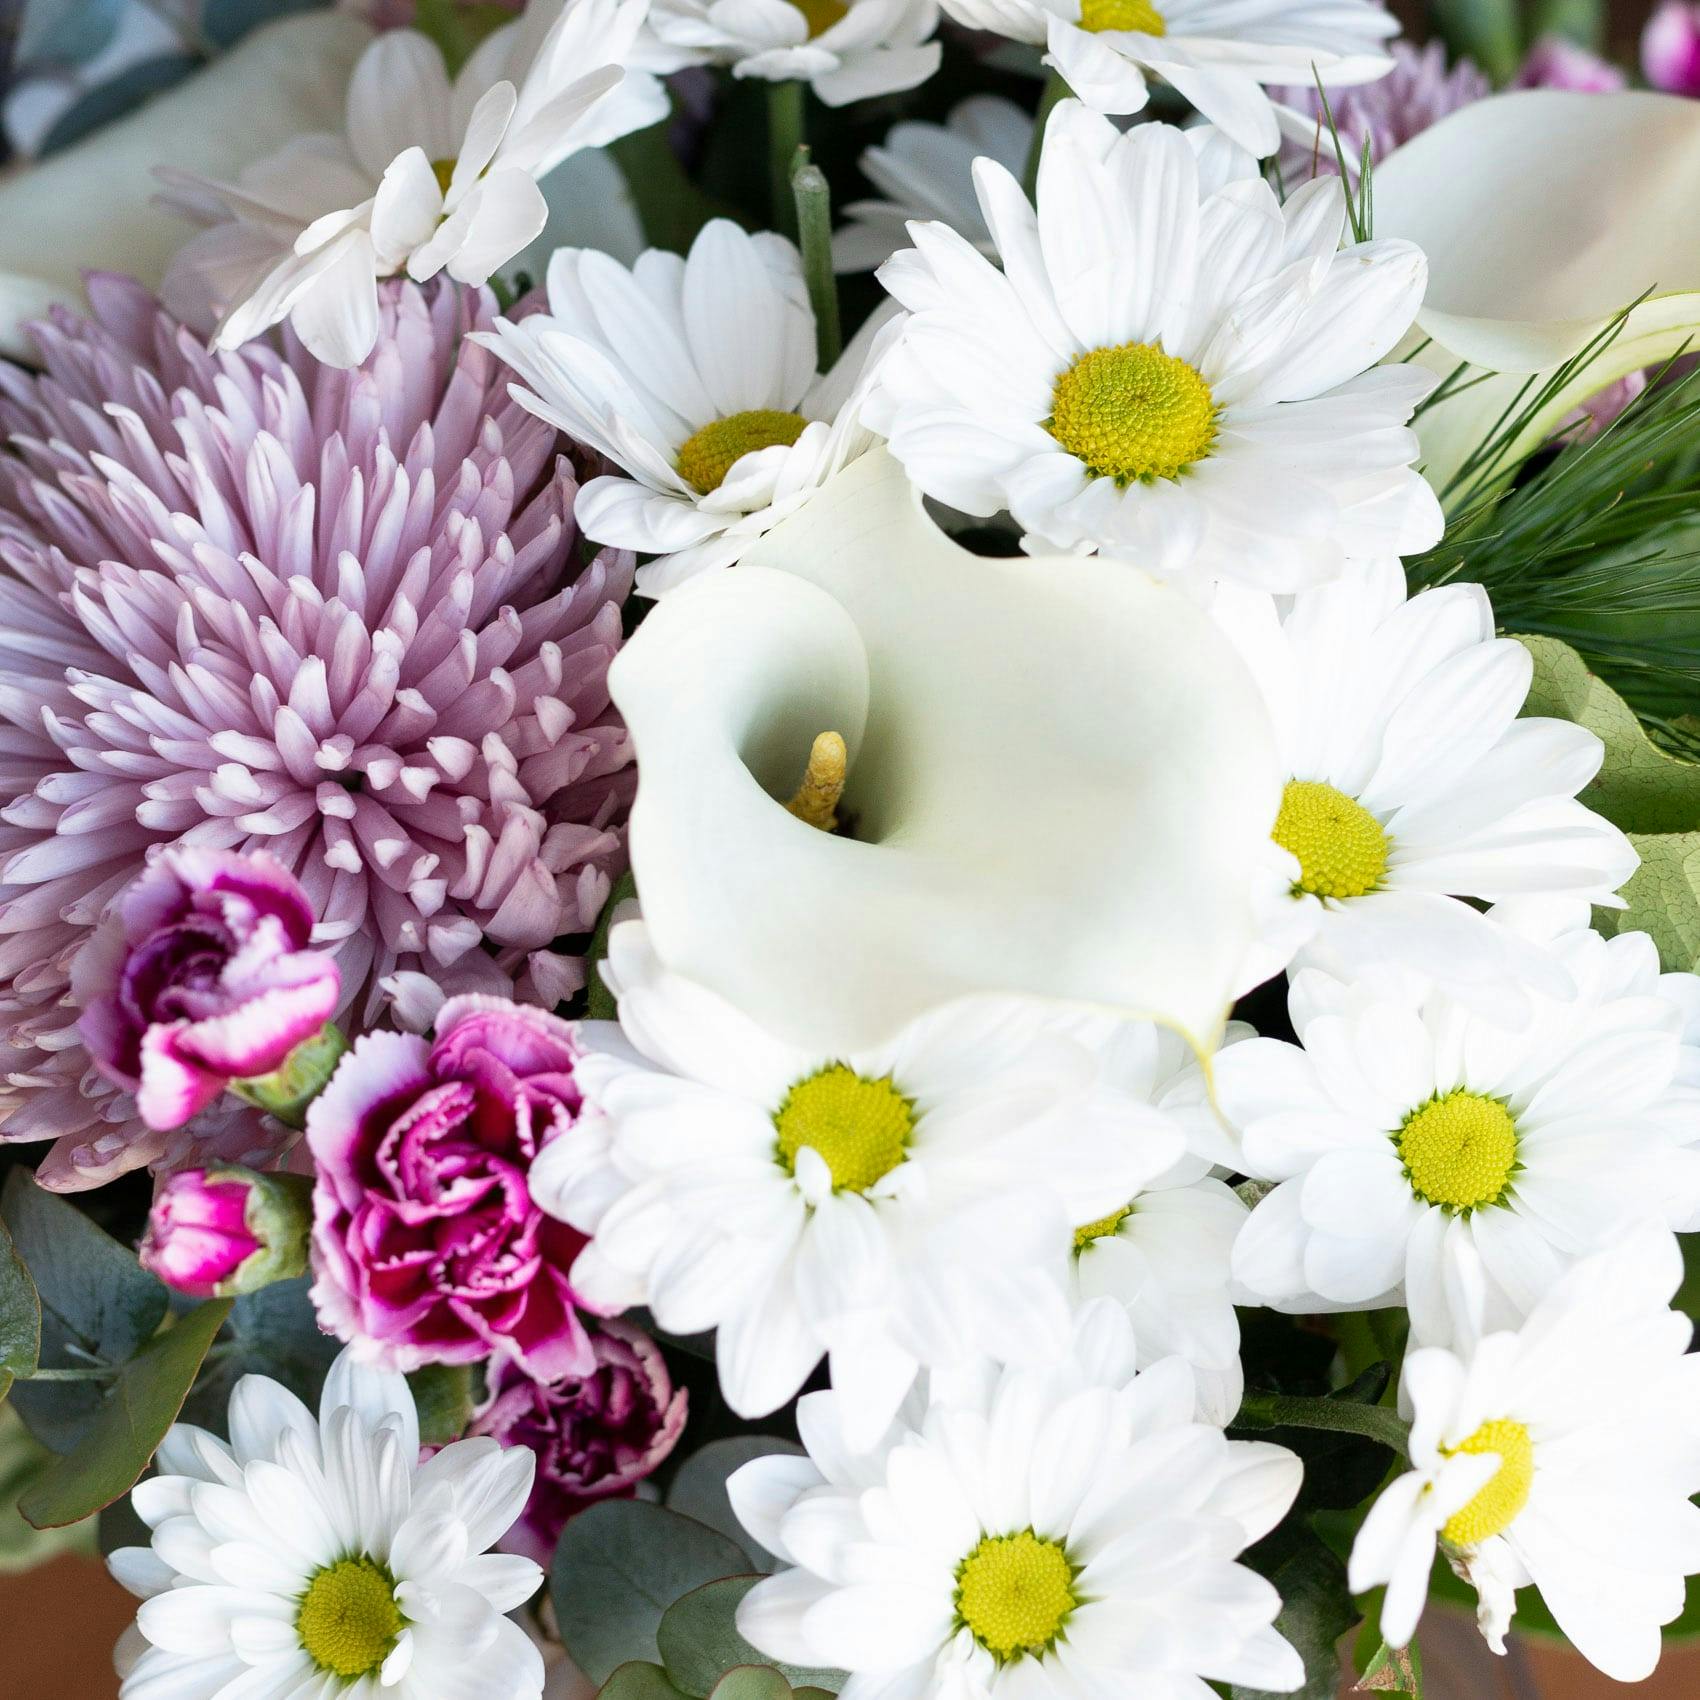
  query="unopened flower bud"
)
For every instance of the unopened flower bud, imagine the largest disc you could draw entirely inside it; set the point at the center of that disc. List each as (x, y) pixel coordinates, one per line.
(217, 1232)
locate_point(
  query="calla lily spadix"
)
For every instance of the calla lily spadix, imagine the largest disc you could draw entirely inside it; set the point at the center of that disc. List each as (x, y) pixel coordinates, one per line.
(1061, 780)
(92, 207)
(1544, 213)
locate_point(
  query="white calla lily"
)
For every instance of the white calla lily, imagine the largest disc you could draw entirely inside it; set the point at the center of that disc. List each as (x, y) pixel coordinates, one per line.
(1544, 213)
(1062, 780)
(92, 207)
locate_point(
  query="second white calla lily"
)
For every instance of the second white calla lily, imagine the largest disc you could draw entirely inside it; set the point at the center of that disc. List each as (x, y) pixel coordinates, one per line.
(1061, 779)
(1544, 213)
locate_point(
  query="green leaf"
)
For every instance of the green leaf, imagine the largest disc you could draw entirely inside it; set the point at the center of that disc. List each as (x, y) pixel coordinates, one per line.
(1316, 1610)
(98, 1305)
(56, 32)
(1580, 21)
(673, 209)
(20, 1316)
(273, 1332)
(141, 1404)
(700, 1643)
(1640, 788)
(1393, 1670)
(699, 1487)
(752, 1682)
(458, 29)
(1488, 31)
(443, 1393)
(638, 1680)
(619, 1566)
(22, 1459)
(225, 22)
(599, 1004)
(119, 95)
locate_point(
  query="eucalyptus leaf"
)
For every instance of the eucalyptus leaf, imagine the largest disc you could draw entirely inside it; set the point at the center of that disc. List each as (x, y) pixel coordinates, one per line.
(1488, 31)
(752, 1682)
(121, 94)
(638, 1680)
(225, 22)
(699, 1486)
(60, 32)
(273, 1332)
(619, 1565)
(20, 1316)
(700, 1643)
(98, 1305)
(140, 1405)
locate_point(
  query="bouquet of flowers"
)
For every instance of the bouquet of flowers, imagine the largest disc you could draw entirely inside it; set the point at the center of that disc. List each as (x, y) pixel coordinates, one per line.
(845, 849)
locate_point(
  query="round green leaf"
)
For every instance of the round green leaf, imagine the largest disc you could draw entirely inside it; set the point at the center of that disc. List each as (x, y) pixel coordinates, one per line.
(638, 1680)
(619, 1566)
(752, 1682)
(699, 1487)
(700, 1643)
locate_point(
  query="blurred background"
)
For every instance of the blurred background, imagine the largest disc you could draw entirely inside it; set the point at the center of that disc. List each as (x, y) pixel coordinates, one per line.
(69, 66)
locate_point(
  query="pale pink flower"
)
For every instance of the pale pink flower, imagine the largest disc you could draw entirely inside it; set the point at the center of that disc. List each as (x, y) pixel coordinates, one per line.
(1670, 48)
(252, 602)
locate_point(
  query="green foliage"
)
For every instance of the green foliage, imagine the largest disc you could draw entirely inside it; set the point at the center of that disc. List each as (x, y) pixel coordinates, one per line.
(1598, 545)
(1316, 1610)
(619, 1566)
(1652, 795)
(670, 206)
(22, 1459)
(599, 1004)
(1393, 1670)
(699, 1486)
(639, 1680)
(57, 32)
(1580, 21)
(1488, 31)
(141, 1403)
(699, 1642)
(20, 1316)
(273, 1332)
(457, 29)
(444, 1396)
(98, 1306)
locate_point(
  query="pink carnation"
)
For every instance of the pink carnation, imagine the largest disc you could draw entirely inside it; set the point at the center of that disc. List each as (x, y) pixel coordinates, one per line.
(427, 1247)
(595, 1436)
(250, 602)
(201, 975)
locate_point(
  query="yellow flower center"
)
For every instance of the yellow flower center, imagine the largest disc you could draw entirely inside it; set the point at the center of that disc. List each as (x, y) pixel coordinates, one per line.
(815, 801)
(859, 1127)
(821, 15)
(348, 1619)
(1133, 412)
(1496, 1506)
(1014, 1592)
(1459, 1150)
(1340, 845)
(709, 454)
(1122, 15)
(443, 170)
(1104, 1226)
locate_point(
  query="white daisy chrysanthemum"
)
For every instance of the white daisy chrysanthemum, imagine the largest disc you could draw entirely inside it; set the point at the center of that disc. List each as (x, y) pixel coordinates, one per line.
(430, 176)
(308, 1558)
(926, 171)
(1413, 785)
(1221, 55)
(1407, 1132)
(844, 50)
(892, 1207)
(1563, 1455)
(1166, 1254)
(697, 378)
(1171, 367)
(1044, 1533)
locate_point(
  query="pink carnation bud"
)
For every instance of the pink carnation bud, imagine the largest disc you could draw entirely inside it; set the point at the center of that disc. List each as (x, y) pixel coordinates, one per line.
(595, 1436)
(427, 1246)
(1670, 48)
(213, 1233)
(200, 975)
(1555, 63)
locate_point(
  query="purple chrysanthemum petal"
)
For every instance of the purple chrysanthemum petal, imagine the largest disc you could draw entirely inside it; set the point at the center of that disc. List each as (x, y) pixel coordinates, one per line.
(255, 603)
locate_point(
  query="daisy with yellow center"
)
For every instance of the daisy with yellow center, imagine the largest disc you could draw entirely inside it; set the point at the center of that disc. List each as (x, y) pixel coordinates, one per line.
(1560, 1454)
(844, 50)
(1015, 1504)
(1156, 372)
(323, 1556)
(822, 1198)
(1418, 792)
(708, 402)
(1408, 1134)
(1225, 60)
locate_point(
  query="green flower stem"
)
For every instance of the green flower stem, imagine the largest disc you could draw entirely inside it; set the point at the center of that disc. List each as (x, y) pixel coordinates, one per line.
(784, 137)
(1339, 1416)
(101, 1374)
(813, 199)
(1055, 89)
(287, 1091)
